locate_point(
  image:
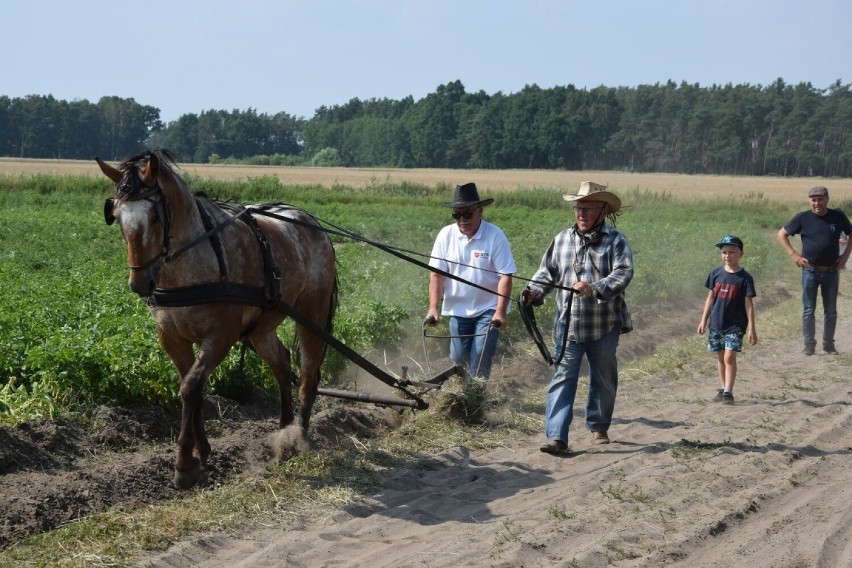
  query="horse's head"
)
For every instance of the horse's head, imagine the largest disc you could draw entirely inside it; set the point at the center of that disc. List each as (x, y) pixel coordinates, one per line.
(139, 205)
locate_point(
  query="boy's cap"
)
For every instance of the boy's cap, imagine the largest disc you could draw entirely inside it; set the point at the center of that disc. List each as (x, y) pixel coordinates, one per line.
(818, 191)
(730, 240)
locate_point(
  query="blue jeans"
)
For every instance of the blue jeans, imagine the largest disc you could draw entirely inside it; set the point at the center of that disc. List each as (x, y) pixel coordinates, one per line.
(828, 283)
(603, 385)
(474, 343)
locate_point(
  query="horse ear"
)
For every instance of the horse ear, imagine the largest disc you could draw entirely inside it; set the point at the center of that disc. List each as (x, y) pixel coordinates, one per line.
(109, 171)
(152, 171)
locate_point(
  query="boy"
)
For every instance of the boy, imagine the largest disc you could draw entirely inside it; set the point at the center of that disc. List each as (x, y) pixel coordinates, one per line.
(730, 310)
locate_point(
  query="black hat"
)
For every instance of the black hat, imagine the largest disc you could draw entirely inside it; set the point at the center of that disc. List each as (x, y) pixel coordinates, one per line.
(467, 196)
(730, 240)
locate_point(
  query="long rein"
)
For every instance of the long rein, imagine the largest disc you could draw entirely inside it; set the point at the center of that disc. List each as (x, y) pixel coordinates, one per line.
(525, 309)
(245, 296)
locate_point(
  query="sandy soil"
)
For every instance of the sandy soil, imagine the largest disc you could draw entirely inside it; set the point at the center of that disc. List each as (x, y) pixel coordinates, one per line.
(685, 482)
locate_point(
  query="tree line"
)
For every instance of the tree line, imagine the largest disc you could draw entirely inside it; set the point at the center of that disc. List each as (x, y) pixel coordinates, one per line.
(779, 129)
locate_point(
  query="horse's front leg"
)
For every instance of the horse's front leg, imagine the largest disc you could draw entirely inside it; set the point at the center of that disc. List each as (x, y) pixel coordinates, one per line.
(193, 446)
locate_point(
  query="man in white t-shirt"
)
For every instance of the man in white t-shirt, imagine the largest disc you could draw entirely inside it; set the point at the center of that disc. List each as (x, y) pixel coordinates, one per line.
(477, 252)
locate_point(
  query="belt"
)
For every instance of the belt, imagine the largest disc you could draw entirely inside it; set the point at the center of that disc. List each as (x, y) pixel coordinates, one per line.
(822, 268)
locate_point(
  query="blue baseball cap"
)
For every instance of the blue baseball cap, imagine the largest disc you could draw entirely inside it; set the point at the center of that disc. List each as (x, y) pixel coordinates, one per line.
(730, 240)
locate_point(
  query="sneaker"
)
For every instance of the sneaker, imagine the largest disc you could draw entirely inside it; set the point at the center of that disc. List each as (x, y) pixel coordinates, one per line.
(728, 398)
(808, 350)
(718, 397)
(555, 447)
(600, 438)
(830, 350)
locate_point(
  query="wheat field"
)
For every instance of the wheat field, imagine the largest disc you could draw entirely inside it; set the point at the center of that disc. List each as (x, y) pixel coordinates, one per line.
(678, 185)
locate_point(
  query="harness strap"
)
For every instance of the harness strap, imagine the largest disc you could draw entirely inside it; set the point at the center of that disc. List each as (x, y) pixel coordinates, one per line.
(215, 241)
(272, 274)
(224, 292)
(266, 296)
(206, 235)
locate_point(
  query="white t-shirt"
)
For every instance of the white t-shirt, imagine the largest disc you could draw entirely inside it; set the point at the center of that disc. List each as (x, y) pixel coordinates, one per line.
(480, 260)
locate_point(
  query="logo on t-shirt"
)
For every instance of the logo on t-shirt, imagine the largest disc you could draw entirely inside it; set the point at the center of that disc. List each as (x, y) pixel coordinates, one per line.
(480, 254)
(725, 291)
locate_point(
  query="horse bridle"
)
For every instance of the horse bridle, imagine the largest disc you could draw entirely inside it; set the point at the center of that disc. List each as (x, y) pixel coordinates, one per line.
(161, 209)
(164, 217)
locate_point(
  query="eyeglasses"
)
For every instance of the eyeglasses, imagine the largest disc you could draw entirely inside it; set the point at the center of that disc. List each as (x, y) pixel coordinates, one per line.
(465, 215)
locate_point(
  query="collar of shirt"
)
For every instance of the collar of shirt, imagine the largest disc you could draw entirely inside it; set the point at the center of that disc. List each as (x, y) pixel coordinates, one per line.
(476, 235)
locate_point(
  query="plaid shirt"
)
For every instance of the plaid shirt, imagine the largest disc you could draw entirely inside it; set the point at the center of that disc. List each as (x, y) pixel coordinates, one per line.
(603, 259)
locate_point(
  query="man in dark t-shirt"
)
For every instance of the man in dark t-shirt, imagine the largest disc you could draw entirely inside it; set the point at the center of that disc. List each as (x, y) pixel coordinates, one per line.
(820, 229)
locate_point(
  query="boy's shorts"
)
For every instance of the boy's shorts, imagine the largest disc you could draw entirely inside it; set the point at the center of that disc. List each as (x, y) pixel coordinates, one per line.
(729, 341)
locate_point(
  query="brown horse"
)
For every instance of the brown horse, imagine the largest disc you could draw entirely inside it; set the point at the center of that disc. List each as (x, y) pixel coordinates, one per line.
(213, 276)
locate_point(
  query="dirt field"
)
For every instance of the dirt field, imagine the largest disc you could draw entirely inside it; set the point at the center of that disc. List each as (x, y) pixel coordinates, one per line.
(775, 188)
(686, 482)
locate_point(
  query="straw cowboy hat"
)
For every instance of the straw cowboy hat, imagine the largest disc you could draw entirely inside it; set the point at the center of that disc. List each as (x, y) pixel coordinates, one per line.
(591, 191)
(467, 196)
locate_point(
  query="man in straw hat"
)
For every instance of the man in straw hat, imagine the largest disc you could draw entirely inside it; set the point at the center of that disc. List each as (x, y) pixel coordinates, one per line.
(479, 253)
(820, 229)
(591, 264)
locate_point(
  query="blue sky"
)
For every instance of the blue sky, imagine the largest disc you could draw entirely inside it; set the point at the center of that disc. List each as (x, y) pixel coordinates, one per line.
(187, 56)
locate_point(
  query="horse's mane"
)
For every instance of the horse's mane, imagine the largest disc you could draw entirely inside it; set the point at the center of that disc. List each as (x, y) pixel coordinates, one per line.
(131, 185)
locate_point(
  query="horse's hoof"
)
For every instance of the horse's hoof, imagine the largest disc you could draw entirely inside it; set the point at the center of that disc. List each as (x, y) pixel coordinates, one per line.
(188, 479)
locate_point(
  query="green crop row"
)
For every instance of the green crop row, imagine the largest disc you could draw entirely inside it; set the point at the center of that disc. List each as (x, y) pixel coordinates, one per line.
(72, 334)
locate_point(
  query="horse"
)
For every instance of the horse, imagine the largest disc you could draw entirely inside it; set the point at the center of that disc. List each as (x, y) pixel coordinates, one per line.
(213, 275)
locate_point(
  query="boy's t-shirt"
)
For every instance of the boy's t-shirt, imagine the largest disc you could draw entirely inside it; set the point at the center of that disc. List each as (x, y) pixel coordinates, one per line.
(728, 311)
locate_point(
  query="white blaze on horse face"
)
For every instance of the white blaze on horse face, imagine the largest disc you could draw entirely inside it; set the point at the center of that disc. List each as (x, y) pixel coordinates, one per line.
(137, 220)
(139, 226)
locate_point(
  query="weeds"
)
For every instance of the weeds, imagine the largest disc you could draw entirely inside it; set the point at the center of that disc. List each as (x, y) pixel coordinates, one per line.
(619, 491)
(559, 513)
(801, 477)
(687, 449)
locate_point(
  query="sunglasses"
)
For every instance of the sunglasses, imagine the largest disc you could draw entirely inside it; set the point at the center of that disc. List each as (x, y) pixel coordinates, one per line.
(465, 215)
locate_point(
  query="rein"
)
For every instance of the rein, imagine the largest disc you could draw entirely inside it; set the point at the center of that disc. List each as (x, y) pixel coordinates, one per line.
(267, 296)
(404, 254)
(212, 231)
(527, 314)
(528, 317)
